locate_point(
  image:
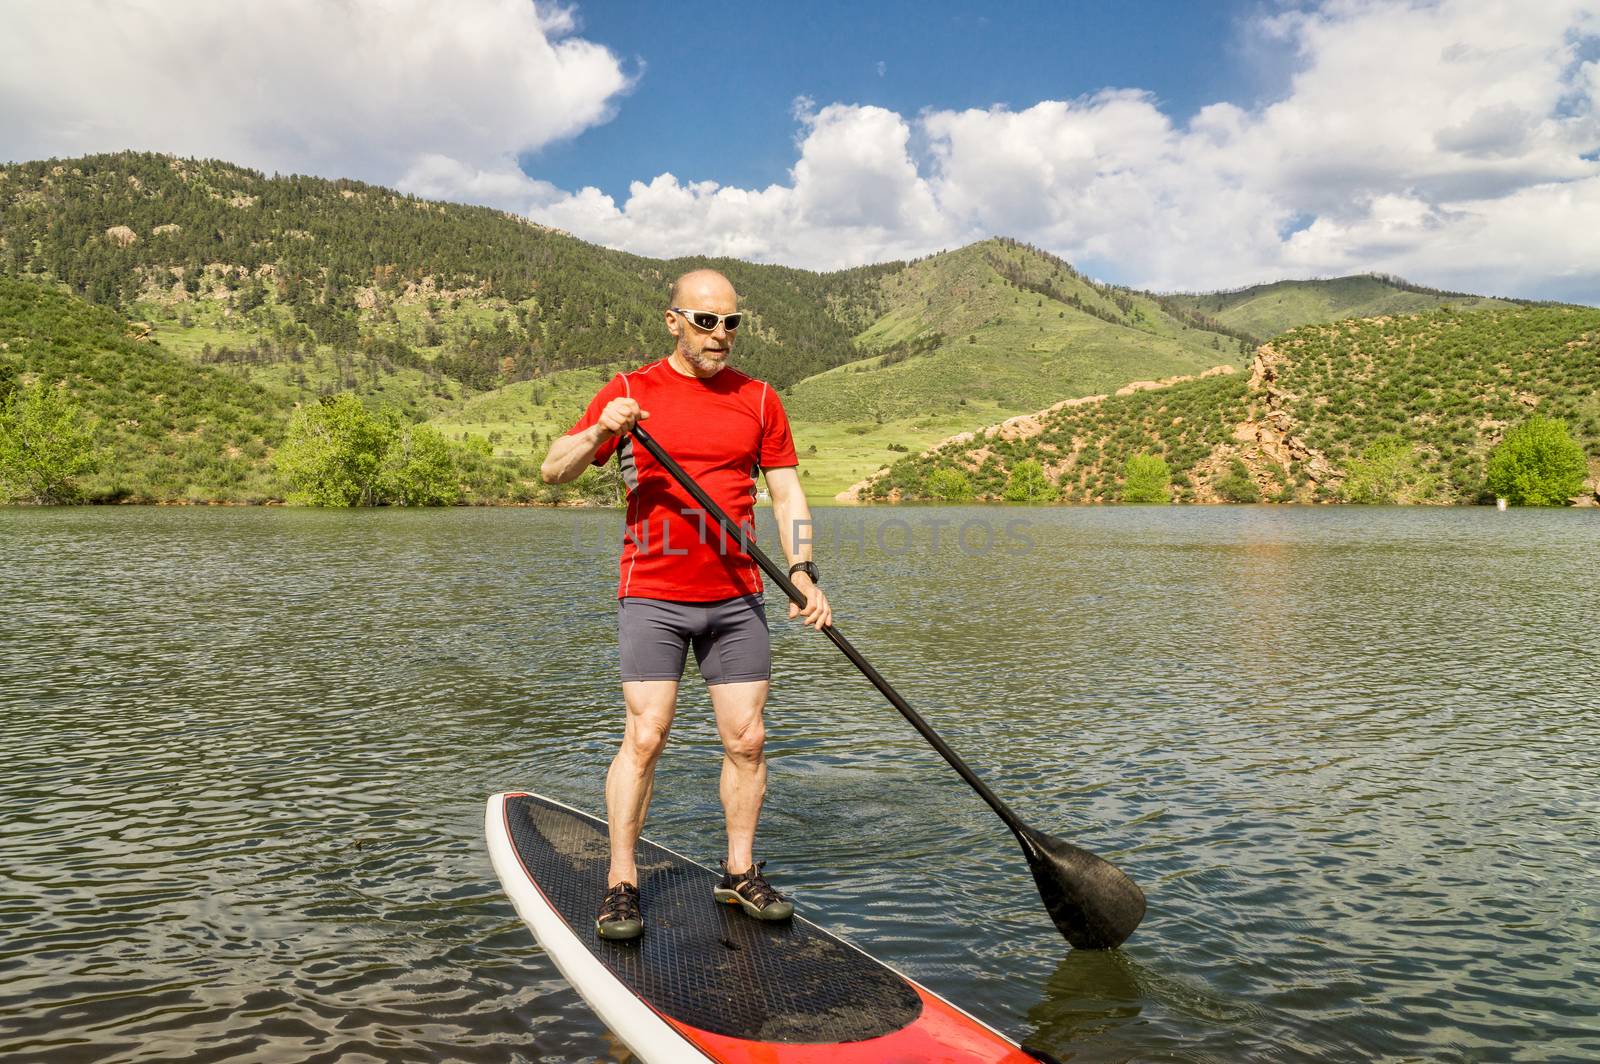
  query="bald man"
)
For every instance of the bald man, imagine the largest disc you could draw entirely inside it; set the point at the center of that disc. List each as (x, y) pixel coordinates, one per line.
(683, 583)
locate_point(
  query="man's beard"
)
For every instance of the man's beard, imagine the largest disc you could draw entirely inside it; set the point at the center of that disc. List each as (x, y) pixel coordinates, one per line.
(700, 361)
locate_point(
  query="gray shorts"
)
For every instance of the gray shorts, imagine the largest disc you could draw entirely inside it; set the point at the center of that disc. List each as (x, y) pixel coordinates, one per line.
(729, 636)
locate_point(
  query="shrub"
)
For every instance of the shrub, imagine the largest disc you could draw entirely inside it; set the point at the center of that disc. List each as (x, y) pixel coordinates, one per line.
(1387, 471)
(1538, 464)
(418, 469)
(1146, 478)
(1027, 483)
(338, 453)
(333, 454)
(602, 485)
(1237, 485)
(950, 485)
(46, 443)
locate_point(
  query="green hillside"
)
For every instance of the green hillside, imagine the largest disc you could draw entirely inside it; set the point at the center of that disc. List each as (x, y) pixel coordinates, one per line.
(1447, 384)
(266, 293)
(173, 429)
(1083, 448)
(999, 327)
(1028, 330)
(170, 430)
(1266, 310)
(290, 267)
(521, 418)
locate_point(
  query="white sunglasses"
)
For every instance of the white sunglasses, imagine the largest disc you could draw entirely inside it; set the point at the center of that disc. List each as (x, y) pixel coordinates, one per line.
(706, 321)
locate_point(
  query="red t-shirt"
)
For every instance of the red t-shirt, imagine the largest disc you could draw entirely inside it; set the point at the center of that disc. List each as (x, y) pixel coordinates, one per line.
(722, 430)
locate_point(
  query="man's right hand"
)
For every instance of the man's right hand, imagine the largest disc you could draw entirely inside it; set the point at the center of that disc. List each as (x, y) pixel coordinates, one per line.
(570, 454)
(620, 415)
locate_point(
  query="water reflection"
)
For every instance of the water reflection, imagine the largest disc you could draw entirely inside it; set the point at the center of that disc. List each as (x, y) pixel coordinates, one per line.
(1089, 995)
(1113, 1006)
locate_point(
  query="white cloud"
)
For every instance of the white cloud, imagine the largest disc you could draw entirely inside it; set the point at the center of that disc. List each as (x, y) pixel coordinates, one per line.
(434, 176)
(1453, 142)
(855, 195)
(358, 88)
(1444, 141)
(1535, 240)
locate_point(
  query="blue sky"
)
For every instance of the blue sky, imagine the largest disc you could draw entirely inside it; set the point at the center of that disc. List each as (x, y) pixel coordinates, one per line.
(1168, 145)
(714, 95)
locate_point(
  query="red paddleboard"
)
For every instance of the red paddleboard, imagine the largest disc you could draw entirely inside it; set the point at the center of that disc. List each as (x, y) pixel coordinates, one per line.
(706, 982)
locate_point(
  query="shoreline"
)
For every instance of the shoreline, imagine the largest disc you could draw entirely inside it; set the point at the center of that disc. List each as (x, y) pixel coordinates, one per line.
(1583, 502)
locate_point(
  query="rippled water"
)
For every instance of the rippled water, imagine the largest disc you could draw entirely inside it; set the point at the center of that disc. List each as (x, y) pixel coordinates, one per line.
(1351, 755)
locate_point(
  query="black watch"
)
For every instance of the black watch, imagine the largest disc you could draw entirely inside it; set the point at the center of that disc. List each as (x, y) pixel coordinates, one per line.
(809, 568)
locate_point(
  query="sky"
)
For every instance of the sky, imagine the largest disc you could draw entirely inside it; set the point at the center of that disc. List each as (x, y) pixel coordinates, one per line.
(903, 57)
(1166, 145)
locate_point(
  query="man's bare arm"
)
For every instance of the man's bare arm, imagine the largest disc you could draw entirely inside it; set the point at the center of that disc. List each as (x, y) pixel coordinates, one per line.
(793, 514)
(570, 455)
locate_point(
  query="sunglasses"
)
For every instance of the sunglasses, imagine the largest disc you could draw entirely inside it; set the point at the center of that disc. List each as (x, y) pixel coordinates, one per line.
(706, 321)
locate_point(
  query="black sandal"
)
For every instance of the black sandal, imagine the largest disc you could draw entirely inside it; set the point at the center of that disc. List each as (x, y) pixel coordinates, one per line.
(750, 891)
(619, 916)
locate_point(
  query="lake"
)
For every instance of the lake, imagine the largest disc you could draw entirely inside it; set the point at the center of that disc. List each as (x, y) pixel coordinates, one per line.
(1351, 754)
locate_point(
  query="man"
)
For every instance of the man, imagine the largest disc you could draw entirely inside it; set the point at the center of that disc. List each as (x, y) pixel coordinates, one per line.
(684, 583)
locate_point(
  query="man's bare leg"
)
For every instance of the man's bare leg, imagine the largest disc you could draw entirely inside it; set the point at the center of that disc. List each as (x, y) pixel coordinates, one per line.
(739, 709)
(632, 775)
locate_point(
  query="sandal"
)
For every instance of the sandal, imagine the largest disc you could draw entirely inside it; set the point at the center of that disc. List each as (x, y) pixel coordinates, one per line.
(619, 916)
(750, 891)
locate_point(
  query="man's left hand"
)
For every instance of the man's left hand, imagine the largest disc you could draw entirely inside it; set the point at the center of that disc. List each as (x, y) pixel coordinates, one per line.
(817, 613)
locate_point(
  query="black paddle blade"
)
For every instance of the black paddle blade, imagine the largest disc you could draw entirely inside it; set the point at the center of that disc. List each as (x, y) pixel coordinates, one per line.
(1092, 903)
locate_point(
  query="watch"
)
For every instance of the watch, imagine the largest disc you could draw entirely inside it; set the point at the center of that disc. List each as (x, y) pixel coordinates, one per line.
(809, 568)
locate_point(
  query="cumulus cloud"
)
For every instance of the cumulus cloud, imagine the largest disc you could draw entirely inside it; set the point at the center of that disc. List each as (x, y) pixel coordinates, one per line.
(435, 176)
(1452, 142)
(355, 88)
(855, 195)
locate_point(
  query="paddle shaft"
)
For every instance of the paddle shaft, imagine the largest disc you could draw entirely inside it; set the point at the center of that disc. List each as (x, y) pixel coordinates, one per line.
(781, 578)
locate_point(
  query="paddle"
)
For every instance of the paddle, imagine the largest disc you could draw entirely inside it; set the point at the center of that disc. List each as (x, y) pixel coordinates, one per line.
(1090, 900)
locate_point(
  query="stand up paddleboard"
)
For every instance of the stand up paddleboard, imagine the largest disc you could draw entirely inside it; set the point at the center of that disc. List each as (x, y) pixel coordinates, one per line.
(705, 981)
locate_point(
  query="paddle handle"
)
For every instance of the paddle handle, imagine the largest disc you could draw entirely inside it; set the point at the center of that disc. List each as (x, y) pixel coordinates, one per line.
(781, 578)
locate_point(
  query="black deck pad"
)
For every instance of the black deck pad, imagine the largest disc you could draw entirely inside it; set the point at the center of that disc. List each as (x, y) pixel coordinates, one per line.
(705, 964)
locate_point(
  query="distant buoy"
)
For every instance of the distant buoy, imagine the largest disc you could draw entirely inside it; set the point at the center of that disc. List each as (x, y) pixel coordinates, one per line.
(1499, 504)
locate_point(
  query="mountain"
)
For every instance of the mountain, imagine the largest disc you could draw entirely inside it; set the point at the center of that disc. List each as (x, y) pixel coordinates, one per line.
(497, 330)
(1024, 328)
(1007, 324)
(173, 429)
(169, 430)
(468, 294)
(1445, 384)
(342, 285)
(1265, 310)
